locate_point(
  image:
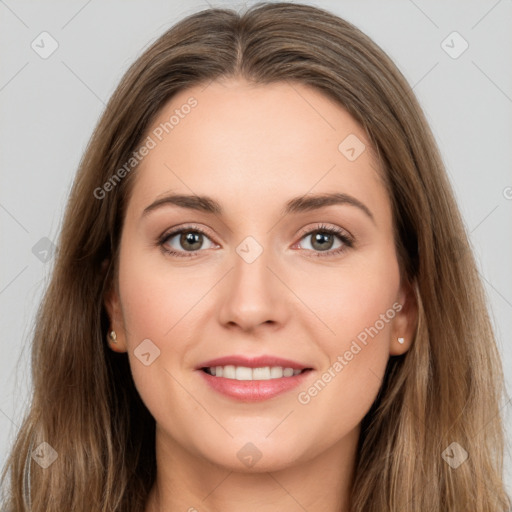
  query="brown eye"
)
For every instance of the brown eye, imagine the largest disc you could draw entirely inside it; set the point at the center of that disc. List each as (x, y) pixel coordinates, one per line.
(183, 241)
(328, 240)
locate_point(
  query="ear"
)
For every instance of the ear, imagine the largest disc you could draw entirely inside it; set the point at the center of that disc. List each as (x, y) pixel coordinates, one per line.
(113, 306)
(405, 321)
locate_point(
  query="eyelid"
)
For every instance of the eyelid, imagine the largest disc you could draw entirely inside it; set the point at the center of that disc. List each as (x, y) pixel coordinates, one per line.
(321, 226)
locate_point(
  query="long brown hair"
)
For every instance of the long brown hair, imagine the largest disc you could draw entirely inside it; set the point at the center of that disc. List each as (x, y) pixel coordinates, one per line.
(447, 388)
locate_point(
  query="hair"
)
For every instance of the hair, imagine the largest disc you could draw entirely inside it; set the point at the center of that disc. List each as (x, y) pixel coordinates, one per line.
(446, 388)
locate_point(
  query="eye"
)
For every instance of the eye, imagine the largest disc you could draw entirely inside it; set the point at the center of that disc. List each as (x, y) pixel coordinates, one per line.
(184, 240)
(323, 238)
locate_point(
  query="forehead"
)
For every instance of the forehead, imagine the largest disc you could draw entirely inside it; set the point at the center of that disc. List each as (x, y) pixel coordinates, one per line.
(249, 144)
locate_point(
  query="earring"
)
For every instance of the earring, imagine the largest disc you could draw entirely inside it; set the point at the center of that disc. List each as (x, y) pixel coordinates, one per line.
(401, 340)
(113, 337)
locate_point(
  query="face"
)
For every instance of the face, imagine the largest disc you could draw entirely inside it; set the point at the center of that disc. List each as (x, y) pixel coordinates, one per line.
(316, 284)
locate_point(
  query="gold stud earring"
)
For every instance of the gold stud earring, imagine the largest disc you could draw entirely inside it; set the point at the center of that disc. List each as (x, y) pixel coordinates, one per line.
(113, 337)
(401, 340)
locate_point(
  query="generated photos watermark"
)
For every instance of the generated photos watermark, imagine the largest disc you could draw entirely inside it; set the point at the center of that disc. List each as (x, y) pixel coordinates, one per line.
(305, 397)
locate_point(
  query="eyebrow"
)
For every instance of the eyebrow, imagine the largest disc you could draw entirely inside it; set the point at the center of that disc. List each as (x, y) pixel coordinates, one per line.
(299, 204)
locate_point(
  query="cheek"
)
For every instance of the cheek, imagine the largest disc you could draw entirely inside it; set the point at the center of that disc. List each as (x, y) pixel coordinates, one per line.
(156, 298)
(346, 386)
(155, 308)
(356, 299)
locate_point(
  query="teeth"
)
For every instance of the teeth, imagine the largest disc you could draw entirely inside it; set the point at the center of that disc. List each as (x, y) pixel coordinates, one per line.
(245, 373)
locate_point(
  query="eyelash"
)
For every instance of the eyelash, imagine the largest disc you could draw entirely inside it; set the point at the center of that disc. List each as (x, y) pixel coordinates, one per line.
(348, 242)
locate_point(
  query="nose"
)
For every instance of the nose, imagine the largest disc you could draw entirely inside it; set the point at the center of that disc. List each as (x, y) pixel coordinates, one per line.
(252, 294)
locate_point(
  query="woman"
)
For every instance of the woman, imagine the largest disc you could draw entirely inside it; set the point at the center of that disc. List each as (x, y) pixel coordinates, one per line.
(322, 344)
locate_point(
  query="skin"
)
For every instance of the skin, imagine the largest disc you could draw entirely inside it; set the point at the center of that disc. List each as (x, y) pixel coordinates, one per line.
(252, 148)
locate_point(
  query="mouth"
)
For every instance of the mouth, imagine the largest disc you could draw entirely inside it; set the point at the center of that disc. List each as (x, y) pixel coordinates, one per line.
(247, 386)
(253, 379)
(248, 373)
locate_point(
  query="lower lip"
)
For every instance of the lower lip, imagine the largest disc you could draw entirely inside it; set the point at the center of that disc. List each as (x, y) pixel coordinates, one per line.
(253, 390)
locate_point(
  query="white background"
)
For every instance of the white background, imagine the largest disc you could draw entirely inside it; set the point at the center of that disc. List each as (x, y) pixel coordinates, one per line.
(49, 108)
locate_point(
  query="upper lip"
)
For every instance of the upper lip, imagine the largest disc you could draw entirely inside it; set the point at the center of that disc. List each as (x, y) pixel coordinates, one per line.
(253, 362)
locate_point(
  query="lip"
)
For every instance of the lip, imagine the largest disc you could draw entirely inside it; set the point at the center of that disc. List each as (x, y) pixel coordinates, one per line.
(253, 390)
(254, 362)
